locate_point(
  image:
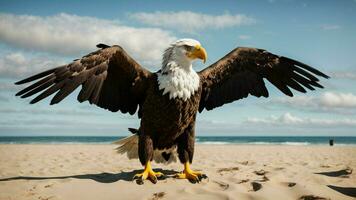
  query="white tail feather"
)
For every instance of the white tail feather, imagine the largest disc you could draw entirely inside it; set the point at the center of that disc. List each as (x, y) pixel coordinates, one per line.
(128, 145)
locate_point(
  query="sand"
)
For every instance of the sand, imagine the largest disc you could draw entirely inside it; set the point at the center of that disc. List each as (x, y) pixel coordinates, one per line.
(234, 172)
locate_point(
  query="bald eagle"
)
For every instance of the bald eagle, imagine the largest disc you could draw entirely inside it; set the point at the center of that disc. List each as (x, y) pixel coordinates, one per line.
(167, 101)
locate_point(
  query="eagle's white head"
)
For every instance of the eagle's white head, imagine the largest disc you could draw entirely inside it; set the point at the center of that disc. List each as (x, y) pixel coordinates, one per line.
(183, 52)
(177, 76)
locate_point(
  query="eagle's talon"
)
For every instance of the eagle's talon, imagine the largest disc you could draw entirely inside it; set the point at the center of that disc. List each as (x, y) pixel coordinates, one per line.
(192, 176)
(153, 179)
(139, 181)
(158, 174)
(148, 173)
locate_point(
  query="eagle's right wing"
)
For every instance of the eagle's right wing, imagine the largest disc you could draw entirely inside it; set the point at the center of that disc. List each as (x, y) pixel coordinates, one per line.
(109, 77)
(242, 72)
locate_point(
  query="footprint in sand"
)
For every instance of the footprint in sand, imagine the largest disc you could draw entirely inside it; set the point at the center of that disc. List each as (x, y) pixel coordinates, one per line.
(289, 184)
(312, 197)
(263, 179)
(242, 181)
(222, 171)
(256, 186)
(31, 191)
(224, 186)
(279, 168)
(45, 198)
(48, 186)
(260, 172)
(246, 162)
(158, 195)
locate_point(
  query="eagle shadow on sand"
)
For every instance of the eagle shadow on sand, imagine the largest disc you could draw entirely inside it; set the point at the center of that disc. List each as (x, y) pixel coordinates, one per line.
(103, 177)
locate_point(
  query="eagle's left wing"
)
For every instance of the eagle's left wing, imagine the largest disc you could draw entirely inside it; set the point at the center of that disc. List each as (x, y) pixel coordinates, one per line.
(241, 72)
(109, 78)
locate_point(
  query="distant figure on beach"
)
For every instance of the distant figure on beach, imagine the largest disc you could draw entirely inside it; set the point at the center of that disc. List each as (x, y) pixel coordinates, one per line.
(331, 142)
(167, 101)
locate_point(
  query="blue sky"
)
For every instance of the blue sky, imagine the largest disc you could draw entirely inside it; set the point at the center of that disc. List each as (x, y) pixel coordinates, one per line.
(37, 35)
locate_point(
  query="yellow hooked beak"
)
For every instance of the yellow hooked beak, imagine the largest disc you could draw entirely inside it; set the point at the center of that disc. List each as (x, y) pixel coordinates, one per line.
(198, 52)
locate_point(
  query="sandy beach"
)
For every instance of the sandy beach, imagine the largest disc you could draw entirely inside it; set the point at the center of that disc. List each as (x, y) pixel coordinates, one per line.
(81, 171)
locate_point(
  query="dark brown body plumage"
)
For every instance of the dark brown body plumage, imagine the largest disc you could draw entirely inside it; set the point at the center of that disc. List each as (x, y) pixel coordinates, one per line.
(166, 122)
(112, 80)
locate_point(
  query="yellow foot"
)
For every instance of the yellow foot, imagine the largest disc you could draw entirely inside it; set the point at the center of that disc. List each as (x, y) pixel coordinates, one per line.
(148, 173)
(189, 174)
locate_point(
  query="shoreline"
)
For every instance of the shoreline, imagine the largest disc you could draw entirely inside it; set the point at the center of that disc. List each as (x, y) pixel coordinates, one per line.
(199, 144)
(200, 140)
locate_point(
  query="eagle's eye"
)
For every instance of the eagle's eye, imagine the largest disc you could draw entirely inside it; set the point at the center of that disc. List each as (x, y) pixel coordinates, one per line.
(188, 48)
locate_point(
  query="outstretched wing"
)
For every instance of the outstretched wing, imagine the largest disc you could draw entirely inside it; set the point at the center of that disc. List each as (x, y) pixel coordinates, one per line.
(109, 77)
(241, 72)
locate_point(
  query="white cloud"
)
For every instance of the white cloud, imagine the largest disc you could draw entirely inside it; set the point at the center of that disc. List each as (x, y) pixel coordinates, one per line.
(344, 103)
(341, 100)
(288, 119)
(350, 75)
(284, 124)
(187, 21)
(40, 123)
(45, 111)
(67, 34)
(244, 37)
(33, 125)
(17, 65)
(330, 27)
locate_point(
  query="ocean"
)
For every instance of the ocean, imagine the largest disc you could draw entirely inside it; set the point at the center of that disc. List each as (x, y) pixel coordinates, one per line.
(253, 140)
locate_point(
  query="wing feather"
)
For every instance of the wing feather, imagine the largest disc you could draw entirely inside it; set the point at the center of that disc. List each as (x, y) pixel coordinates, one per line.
(96, 93)
(87, 89)
(35, 85)
(242, 72)
(69, 86)
(109, 77)
(48, 82)
(37, 76)
(295, 85)
(54, 88)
